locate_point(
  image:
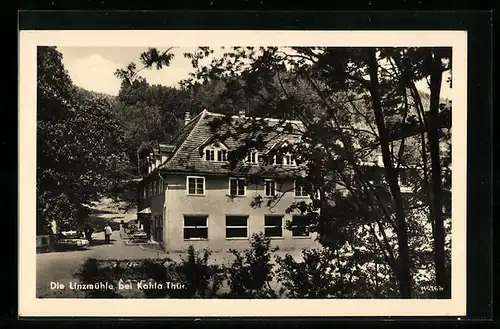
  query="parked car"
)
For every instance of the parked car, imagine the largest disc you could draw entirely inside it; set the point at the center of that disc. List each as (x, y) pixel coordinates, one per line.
(72, 240)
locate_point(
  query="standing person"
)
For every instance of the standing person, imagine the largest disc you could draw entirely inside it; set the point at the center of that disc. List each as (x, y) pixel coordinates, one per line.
(107, 233)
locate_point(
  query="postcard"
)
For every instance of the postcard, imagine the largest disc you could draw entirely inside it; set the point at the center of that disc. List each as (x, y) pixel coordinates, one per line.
(242, 173)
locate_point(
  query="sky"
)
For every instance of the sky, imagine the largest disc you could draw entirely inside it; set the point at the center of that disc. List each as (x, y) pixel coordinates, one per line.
(93, 68)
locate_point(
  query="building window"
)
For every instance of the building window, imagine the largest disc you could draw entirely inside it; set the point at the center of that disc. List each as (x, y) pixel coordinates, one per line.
(252, 157)
(300, 190)
(270, 187)
(195, 227)
(209, 155)
(300, 225)
(196, 185)
(278, 160)
(287, 160)
(236, 227)
(237, 186)
(216, 152)
(222, 155)
(273, 226)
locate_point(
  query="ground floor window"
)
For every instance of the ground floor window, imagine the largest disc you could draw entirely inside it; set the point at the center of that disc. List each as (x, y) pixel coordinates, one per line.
(300, 226)
(195, 227)
(273, 226)
(236, 227)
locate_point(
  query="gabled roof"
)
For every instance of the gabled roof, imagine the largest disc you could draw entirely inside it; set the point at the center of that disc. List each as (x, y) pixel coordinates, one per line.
(187, 158)
(211, 141)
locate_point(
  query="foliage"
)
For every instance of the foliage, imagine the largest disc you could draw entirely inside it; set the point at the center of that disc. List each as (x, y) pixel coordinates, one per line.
(91, 272)
(79, 144)
(201, 279)
(250, 274)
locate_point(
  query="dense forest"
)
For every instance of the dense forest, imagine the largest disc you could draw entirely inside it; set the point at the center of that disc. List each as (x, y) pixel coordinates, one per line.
(353, 102)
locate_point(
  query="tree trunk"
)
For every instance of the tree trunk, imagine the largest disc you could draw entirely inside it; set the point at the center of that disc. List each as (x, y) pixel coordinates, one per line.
(436, 208)
(403, 264)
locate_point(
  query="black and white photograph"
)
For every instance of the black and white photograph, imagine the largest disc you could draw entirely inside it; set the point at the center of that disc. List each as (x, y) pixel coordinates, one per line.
(237, 170)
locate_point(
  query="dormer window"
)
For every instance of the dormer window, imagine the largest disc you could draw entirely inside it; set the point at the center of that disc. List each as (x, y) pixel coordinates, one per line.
(210, 155)
(285, 159)
(222, 155)
(252, 157)
(215, 152)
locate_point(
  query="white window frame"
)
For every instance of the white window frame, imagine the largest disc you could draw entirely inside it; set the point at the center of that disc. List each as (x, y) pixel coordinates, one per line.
(222, 157)
(273, 226)
(295, 187)
(283, 157)
(216, 150)
(204, 227)
(187, 185)
(256, 157)
(237, 187)
(292, 161)
(308, 236)
(230, 227)
(213, 151)
(275, 188)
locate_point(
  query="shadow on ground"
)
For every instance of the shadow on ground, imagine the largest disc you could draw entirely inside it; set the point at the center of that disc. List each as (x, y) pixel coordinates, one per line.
(101, 242)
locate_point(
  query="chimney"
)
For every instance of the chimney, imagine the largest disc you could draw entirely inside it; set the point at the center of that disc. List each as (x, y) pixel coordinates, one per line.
(187, 118)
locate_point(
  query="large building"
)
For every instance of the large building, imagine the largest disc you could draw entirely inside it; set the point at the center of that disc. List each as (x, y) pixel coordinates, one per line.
(192, 196)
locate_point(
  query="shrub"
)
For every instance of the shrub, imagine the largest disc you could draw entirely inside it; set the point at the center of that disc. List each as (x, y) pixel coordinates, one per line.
(249, 276)
(201, 279)
(311, 278)
(155, 271)
(90, 273)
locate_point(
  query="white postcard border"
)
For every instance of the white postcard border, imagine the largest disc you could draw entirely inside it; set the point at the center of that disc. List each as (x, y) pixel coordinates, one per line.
(29, 305)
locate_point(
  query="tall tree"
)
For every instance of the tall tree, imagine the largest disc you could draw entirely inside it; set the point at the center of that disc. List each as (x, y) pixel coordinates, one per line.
(79, 141)
(435, 123)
